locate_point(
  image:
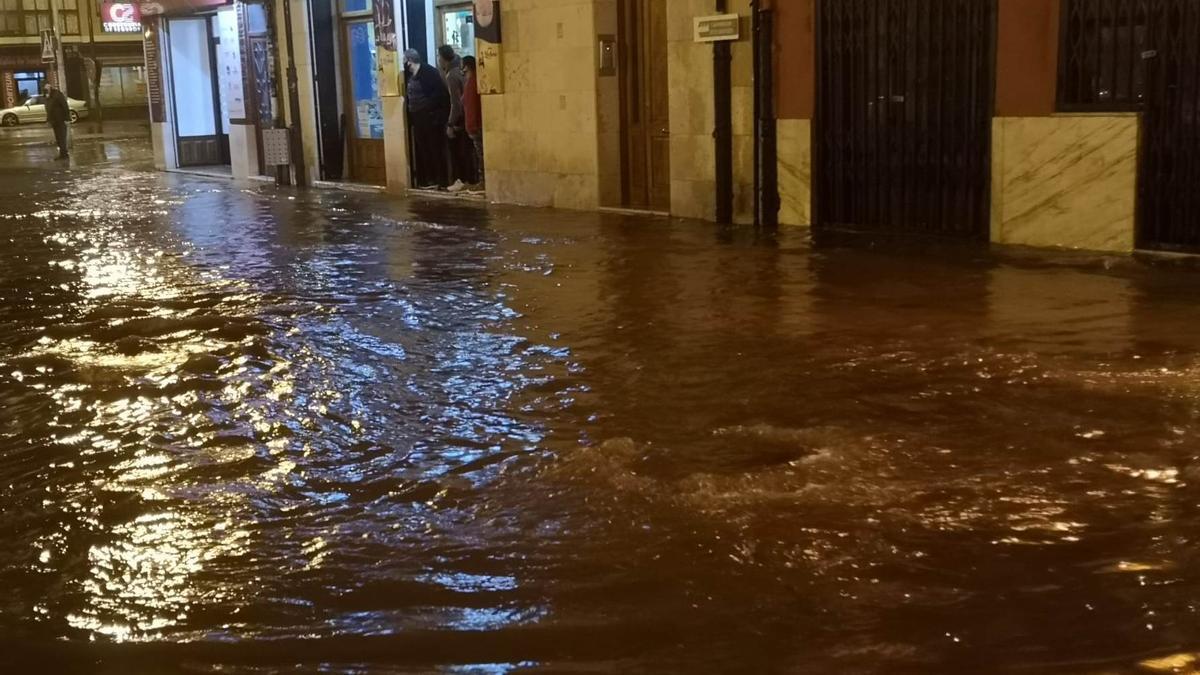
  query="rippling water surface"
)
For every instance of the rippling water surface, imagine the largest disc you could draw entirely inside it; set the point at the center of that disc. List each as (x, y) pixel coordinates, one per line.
(249, 430)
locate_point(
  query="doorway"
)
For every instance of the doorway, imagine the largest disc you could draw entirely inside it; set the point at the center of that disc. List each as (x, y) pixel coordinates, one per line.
(364, 111)
(201, 132)
(903, 121)
(1168, 171)
(456, 23)
(645, 105)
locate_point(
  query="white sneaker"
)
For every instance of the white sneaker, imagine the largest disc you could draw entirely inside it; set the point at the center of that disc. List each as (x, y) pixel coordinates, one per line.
(458, 186)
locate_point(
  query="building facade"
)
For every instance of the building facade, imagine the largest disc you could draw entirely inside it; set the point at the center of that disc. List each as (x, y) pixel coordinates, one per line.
(1065, 123)
(88, 41)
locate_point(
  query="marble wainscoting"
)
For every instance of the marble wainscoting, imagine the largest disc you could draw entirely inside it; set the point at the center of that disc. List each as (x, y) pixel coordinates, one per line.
(795, 172)
(1065, 181)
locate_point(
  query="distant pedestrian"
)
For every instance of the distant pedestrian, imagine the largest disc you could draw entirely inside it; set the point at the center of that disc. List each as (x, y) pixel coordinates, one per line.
(473, 115)
(58, 115)
(428, 109)
(461, 155)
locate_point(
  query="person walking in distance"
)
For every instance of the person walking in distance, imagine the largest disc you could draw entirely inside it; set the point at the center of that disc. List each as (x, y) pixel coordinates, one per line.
(473, 116)
(428, 109)
(58, 114)
(460, 155)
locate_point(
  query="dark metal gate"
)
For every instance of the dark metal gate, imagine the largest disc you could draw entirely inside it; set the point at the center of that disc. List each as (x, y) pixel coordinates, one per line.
(1169, 165)
(904, 113)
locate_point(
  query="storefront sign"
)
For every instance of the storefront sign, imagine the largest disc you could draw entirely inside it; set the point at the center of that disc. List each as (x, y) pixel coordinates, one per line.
(120, 17)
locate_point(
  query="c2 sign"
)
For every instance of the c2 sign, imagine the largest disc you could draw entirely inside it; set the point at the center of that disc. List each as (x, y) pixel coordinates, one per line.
(121, 17)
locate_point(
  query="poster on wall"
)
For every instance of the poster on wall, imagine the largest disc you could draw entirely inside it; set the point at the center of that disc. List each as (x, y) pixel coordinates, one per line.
(387, 57)
(488, 52)
(229, 62)
(389, 72)
(385, 25)
(154, 90)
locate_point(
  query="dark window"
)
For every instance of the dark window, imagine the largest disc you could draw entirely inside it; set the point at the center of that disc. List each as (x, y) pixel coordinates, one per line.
(1102, 53)
(30, 17)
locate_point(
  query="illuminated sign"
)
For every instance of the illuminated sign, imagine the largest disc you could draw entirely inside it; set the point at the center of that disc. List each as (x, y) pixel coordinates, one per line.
(121, 17)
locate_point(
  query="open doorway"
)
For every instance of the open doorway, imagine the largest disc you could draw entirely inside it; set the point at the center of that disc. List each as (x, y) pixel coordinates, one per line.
(201, 121)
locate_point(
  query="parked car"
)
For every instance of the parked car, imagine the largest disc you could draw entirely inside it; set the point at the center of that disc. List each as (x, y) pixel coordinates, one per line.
(34, 110)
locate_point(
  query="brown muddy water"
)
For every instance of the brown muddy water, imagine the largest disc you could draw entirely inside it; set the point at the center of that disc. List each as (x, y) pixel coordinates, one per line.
(249, 430)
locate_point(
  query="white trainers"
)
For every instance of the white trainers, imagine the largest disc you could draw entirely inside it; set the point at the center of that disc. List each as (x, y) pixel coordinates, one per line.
(458, 186)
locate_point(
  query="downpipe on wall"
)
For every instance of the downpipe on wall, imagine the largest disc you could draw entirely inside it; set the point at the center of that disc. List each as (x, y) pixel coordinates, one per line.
(766, 150)
(723, 128)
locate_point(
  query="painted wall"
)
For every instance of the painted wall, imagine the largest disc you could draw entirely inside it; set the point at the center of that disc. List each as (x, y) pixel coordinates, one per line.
(1027, 36)
(541, 132)
(795, 56)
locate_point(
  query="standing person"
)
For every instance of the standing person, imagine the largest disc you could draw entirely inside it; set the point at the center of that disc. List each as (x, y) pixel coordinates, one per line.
(473, 116)
(456, 133)
(428, 109)
(58, 114)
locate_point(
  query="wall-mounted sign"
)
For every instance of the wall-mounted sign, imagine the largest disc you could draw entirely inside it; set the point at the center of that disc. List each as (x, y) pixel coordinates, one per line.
(718, 28)
(49, 46)
(120, 17)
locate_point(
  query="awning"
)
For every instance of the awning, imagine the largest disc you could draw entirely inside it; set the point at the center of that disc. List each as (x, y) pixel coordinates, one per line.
(179, 7)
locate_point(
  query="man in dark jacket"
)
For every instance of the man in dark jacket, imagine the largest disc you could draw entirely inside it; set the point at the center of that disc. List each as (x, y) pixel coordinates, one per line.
(428, 103)
(58, 114)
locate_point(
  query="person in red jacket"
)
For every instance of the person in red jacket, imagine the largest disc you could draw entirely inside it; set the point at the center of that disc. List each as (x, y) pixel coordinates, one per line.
(473, 114)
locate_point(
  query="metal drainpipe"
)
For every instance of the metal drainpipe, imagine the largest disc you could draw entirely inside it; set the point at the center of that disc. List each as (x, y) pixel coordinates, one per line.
(297, 139)
(766, 151)
(723, 131)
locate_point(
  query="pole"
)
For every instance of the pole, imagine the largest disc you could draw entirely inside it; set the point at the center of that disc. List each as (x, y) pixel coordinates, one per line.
(60, 68)
(297, 141)
(94, 89)
(723, 132)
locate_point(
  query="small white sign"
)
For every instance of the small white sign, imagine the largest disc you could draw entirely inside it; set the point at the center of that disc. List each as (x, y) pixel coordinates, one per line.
(718, 28)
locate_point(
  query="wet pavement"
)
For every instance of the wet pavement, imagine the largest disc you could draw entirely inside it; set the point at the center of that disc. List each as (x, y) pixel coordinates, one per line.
(255, 430)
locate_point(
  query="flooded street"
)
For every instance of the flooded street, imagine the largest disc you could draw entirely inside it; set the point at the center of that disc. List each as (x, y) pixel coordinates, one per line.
(249, 429)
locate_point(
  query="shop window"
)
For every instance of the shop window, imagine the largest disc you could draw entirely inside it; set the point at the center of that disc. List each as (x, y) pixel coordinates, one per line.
(1101, 58)
(123, 86)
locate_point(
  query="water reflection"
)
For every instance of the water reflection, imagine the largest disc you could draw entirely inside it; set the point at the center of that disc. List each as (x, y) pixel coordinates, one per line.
(271, 428)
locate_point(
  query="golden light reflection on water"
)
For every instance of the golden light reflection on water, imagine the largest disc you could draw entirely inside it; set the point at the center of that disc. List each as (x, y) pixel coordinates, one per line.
(142, 579)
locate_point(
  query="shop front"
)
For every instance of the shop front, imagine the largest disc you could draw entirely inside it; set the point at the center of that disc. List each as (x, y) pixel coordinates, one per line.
(209, 78)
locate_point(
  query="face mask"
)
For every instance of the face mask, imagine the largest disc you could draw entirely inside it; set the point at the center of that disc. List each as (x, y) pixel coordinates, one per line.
(413, 68)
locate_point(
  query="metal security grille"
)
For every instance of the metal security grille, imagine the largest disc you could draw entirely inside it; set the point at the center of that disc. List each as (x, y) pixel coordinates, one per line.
(904, 112)
(1169, 171)
(1102, 46)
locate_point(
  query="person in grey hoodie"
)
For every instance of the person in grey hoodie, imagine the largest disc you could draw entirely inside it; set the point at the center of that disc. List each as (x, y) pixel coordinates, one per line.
(461, 155)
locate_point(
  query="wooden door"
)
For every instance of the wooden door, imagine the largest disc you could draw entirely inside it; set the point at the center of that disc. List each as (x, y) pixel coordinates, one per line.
(364, 114)
(645, 96)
